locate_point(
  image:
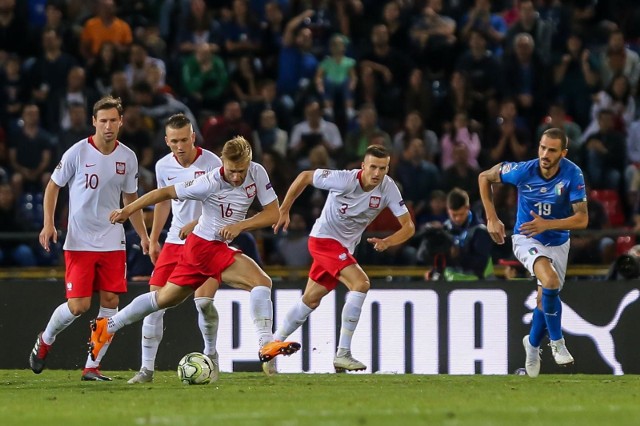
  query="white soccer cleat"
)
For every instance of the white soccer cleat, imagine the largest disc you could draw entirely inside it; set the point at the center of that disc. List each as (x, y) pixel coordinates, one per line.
(347, 362)
(269, 367)
(215, 373)
(142, 376)
(560, 353)
(532, 360)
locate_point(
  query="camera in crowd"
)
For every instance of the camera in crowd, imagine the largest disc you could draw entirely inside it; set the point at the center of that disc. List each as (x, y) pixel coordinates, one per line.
(626, 266)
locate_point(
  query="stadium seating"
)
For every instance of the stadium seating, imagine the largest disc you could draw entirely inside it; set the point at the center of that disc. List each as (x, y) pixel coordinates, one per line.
(612, 205)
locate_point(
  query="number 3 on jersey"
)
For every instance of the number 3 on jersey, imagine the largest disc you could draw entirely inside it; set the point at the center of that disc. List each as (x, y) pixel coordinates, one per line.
(91, 181)
(544, 209)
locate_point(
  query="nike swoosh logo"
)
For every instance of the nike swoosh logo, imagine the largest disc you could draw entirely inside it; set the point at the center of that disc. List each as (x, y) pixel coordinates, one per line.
(90, 165)
(172, 178)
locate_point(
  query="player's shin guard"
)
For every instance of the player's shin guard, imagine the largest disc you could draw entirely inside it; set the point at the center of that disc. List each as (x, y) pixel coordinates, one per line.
(350, 317)
(552, 308)
(208, 322)
(102, 313)
(538, 328)
(152, 331)
(296, 316)
(262, 313)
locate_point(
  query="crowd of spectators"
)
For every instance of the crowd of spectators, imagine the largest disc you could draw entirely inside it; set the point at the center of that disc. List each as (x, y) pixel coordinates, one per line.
(449, 86)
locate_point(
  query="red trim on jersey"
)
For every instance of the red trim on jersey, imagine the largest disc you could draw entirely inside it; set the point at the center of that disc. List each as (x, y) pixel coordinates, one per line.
(93, 144)
(360, 178)
(198, 153)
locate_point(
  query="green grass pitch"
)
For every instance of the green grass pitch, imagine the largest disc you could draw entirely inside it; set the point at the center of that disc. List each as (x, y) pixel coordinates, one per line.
(58, 397)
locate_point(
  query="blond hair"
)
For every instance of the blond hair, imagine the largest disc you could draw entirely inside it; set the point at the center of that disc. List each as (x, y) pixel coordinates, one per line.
(237, 150)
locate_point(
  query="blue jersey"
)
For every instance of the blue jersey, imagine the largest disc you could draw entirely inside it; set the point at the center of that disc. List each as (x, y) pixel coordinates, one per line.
(550, 198)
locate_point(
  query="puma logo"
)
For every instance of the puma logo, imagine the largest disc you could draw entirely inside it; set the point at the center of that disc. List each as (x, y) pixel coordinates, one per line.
(574, 324)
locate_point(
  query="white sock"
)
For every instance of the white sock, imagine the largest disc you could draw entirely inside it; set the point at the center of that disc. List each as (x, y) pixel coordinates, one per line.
(152, 329)
(102, 313)
(296, 316)
(139, 308)
(208, 323)
(262, 313)
(60, 319)
(350, 317)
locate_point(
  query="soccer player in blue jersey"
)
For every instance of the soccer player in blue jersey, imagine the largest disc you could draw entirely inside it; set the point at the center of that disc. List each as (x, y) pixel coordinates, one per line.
(551, 201)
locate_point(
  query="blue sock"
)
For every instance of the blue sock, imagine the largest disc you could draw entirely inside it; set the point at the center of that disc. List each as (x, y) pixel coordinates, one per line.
(538, 327)
(552, 308)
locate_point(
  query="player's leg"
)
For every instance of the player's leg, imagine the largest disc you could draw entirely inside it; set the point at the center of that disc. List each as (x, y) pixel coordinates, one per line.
(168, 296)
(551, 280)
(153, 324)
(298, 314)
(152, 331)
(108, 308)
(358, 284)
(246, 274)
(79, 275)
(208, 320)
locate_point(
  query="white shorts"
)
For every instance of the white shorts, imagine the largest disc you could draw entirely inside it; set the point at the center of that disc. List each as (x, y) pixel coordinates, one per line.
(527, 250)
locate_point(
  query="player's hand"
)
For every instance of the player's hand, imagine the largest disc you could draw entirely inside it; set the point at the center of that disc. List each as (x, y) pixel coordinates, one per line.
(48, 233)
(230, 232)
(283, 222)
(533, 227)
(144, 243)
(118, 216)
(496, 230)
(187, 229)
(379, 244)
(154, 251)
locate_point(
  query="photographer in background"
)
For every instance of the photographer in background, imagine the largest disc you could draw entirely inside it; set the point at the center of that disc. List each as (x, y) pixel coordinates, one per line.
(626, 266)
(460, 249)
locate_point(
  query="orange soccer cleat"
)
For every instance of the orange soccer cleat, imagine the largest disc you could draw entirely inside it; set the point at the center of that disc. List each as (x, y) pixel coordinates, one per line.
(275, 348)
(99, 336)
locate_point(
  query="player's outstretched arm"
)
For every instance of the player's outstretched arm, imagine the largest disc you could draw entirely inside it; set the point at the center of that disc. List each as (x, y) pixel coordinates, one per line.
(49, 202)
(400, 236)
(153, 197)
(303, 180)
(494, 225)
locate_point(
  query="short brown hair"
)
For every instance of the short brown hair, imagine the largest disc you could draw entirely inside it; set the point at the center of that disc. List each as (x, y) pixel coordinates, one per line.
(178, 121)
(108, 102)
(556, 133)
(237, 150)
(457, 199)
(377, 151)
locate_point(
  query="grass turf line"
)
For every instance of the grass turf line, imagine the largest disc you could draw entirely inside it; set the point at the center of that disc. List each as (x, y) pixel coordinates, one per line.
(58, 397)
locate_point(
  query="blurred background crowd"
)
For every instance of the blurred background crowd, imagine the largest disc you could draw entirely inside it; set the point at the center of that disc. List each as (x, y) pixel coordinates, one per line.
(449, 86)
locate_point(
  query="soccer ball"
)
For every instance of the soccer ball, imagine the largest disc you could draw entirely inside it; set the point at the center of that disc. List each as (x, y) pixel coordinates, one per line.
(195, 369)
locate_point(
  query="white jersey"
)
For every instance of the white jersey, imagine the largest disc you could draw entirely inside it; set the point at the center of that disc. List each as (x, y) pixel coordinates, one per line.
(170, 172)
(349, 209)
(96, 182)
(222, 203)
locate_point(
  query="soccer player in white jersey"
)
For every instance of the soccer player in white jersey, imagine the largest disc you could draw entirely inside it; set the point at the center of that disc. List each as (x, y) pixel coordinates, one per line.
(226, 194)
(551, 201)
(355, 198)
(99, 170)
(184, 162)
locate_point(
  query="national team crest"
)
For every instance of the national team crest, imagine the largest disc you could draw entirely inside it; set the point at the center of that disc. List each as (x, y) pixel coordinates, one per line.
(251, 190)
(533, 251)
(198, 173)
(374, 202)
(121, 168)
(559, 189)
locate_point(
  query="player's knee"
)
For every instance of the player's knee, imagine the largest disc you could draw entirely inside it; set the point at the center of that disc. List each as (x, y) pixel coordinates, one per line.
(78, 308)
(311, 301)
(361, 286)
(552, 282)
